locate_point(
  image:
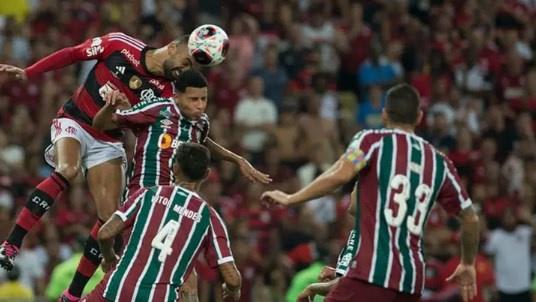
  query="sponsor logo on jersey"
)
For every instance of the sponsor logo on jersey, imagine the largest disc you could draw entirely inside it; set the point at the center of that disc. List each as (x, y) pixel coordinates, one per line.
(106, 88)
(167, 141)
(157, 83)
(166, 123)
(95, 48)
(120, 69)
(147, 94)
(130, 57)
(134, 82)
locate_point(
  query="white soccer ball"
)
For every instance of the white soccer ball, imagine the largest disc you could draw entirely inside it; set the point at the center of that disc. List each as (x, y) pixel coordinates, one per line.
(208, 45)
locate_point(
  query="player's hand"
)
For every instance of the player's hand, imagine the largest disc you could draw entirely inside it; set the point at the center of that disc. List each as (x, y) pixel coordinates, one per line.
(14, 71)
(306, 295)
(251, 173)
(117, 100)
(276, 197)
(234, 295)
(465, 277)
(109, 264)
(327, 274)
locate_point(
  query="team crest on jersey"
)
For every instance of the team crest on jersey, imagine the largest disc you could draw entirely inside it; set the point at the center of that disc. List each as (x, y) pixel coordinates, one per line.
(147, 94)
(134, 82)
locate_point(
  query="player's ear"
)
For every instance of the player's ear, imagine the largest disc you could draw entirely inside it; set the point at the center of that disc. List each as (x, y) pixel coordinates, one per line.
(420, 115)
(385, 117)
(207, 172)
(172, 48)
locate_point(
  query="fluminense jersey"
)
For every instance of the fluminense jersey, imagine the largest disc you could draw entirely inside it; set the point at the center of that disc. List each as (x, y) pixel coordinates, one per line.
(120, 66)
(159, 127)
(346, 255)
(167, 228)
(401, 178)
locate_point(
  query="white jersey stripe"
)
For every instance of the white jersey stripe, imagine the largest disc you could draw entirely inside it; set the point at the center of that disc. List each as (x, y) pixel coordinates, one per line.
(128, 38)
(390, 249)
(377, 222)
(126, 42)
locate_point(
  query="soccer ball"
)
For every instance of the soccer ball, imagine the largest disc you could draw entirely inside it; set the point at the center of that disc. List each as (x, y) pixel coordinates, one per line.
(208, 45)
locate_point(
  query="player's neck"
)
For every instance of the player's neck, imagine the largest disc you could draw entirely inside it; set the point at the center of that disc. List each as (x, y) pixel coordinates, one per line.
(403, 127)
(154, 60)
(192, 186)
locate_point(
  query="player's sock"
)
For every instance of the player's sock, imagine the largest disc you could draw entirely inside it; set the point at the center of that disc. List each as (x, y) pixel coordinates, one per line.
(39, 201)
(89, 262)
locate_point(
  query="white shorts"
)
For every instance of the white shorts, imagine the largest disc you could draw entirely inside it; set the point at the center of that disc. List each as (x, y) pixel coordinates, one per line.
(92, 151)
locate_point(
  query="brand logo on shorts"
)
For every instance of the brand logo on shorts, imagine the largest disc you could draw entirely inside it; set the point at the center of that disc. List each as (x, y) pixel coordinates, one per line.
(70, 130)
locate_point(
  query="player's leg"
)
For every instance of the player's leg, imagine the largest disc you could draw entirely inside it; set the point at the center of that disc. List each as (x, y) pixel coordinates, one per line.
(105, 182)
(67, 157)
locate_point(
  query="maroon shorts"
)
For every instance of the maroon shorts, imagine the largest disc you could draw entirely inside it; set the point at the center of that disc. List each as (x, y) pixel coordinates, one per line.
(353, 290)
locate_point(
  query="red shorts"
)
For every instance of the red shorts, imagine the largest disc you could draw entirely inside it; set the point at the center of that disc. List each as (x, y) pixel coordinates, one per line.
(353, 290)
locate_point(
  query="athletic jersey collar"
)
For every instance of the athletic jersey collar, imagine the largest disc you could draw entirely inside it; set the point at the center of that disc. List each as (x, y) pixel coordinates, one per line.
(144, 63)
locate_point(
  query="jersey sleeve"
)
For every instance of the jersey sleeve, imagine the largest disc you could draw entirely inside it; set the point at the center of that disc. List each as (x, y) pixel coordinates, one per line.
(361, 148)
(127, 212)
(218, 249)
(91, 49)
(452, 195)
(143, 113)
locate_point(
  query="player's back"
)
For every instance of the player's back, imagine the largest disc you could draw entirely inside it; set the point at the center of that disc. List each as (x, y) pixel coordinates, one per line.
(403, 177)
(168, 230)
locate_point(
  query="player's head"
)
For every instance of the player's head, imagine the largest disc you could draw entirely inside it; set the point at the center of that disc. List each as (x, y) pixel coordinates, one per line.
(402, 106)
(191, 93)
(178, 59)
(192, 164)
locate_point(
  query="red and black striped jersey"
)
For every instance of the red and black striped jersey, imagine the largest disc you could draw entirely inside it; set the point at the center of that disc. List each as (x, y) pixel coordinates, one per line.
(120, 66)
(401, 178)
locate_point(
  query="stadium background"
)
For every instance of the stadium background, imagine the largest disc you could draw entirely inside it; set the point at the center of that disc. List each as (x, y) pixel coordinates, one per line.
(300, 78)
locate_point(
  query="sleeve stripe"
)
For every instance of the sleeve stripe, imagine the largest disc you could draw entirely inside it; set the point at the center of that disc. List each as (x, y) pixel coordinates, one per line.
(121, 215)
(463, 201)
(135, 110)
(126, 42)
(341, 271)
(225, 260)
(215, 240)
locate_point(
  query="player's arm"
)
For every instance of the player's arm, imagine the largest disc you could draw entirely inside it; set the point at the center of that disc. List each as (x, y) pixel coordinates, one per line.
(106, 119)
(121, 219)
(90, 49)
(232, 280)
(344, 169)
(455, 200)
(321, 288)
(246, 168)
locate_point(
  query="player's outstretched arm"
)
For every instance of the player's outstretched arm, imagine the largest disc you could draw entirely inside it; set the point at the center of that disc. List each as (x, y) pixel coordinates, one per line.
(13, 71)
(232, 280)
(106, 119)
(465, 273)
(340, 173)
(314, 289)
(245, 167)
(105, 238)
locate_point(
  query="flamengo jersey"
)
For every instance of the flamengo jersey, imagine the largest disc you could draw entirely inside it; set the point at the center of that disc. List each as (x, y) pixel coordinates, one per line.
(402, 178)
(169, 227)
(120, 66)
(159, 127)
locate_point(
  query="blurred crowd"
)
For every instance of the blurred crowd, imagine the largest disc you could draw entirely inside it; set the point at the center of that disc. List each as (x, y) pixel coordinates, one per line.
(301, 77)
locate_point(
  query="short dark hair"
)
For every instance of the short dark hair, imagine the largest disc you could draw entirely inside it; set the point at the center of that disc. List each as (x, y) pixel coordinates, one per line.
(193, 160)
(402, 104)
(190, 78)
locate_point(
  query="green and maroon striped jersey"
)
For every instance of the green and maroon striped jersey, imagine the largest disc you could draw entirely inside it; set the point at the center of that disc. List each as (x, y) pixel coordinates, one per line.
(346, 255)
(159, 127)
(167, 228)
(402, 176)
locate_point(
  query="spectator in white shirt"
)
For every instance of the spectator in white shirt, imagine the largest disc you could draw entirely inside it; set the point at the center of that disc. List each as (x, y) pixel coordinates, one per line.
(255, 117)
(510, 246)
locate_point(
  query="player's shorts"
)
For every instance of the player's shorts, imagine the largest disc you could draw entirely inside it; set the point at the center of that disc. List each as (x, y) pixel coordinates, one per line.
(353, 290)
(93, 151)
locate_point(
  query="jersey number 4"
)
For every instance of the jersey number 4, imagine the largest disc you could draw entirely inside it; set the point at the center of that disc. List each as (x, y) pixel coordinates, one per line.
(164, 239)
(423, 195)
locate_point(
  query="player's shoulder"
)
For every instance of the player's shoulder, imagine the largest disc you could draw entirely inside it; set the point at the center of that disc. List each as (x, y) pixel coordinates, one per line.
(371, 135)
(124, 41)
